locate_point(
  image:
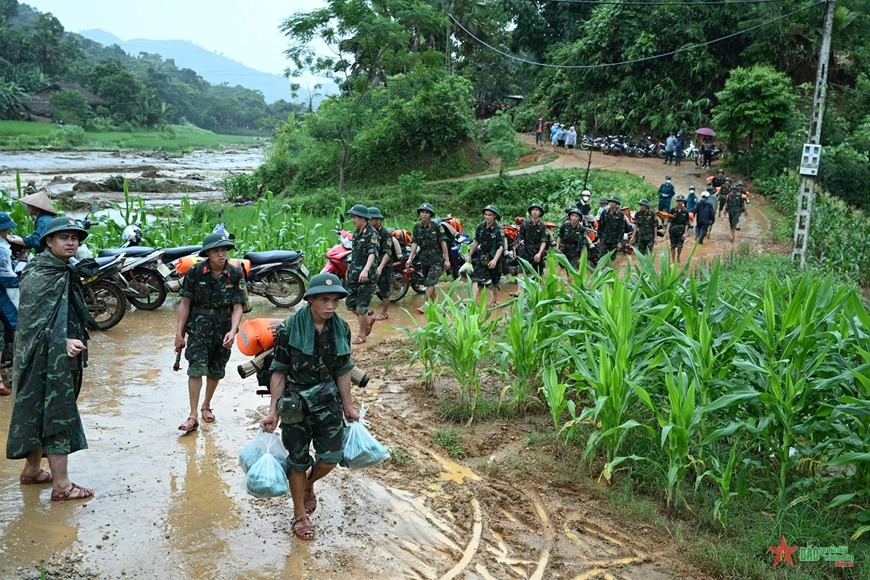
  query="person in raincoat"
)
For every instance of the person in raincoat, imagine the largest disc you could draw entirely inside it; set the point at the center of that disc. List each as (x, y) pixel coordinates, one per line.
(40, 208)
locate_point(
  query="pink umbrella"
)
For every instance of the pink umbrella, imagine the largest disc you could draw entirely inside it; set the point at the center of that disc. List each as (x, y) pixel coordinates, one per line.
(706, 131)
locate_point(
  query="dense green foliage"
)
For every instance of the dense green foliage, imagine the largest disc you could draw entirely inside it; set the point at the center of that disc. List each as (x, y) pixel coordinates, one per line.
(145, 91)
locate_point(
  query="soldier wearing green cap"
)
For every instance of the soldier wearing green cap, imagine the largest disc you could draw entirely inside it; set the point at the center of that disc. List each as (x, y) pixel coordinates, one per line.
(210, 311)
(489, 244)
(677, 228)
(532, 240)
(645, 225)
(361, 274)
(430, 239)
(572, 236)
(612, 228)
(50, 356)
(735, 205)
(311, 369)
(390, 252)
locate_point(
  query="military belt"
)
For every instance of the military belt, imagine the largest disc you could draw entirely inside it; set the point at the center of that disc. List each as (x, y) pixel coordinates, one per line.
(210, 311)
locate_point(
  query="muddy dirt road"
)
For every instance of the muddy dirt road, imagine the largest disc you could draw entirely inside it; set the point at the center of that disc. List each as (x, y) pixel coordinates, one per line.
(169, 506)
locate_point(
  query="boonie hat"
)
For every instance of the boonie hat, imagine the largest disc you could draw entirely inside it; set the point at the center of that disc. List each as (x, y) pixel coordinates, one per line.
(325, 283)
(426, 207)
(64, 224)
(681, 197)
(6, 222)
(375, 213)
(39, 200)
(573, 209)
(604, 201)
(491, 207)
(214, 241)
(537, 205)
(643, 202)
(615, 200)
(359, 210)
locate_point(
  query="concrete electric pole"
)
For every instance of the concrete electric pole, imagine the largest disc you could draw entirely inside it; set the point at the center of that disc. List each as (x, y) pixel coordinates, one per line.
(813, 147)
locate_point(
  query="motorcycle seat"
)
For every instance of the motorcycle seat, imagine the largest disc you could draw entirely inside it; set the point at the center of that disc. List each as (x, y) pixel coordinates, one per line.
(172, 254)
(103, 260)
(272, 256)
(131, 252)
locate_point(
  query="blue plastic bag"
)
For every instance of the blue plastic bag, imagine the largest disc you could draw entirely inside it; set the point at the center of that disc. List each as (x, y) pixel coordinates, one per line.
(267, 477)
(360, 448)
(262, 443)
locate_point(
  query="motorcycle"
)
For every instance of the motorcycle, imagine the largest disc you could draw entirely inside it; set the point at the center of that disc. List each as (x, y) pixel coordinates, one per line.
(105, 299)
(141, 278)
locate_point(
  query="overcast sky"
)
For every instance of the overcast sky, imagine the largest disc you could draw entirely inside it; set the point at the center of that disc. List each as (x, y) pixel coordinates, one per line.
(245, 31)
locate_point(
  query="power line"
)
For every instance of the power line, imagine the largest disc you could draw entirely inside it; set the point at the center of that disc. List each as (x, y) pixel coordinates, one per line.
(636, 60)
(691, 3)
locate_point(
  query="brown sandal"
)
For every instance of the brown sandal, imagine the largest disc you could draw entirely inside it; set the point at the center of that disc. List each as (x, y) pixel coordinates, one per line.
(310, 503)
(191, 424)
(80, 493)
(208, 415)
(4, 391)
(41, 477)
(382, 316)
(358, 340)
(302, 528)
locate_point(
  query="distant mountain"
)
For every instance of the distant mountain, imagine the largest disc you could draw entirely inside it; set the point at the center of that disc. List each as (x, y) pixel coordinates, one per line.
(213, 67)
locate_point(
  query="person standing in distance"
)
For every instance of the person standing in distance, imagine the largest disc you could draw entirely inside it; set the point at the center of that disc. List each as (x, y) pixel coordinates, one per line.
(489, 241)
(644, 234)
(362, 273)
(209, 313)
(431, 240)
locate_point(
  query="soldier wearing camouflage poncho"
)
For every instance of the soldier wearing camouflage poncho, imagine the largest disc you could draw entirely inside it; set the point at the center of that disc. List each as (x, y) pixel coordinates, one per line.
(311, 367)
(210, 311)
(51, 351)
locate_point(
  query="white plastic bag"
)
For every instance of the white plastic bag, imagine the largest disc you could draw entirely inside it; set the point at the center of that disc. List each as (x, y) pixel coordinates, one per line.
(261, 444)
(360, 448)
(267, 476)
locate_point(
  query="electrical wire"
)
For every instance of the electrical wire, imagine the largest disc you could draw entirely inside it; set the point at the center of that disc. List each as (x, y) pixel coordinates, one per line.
(636, 60)
(662, 2)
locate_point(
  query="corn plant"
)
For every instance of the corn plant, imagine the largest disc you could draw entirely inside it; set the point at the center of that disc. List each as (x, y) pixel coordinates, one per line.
(554, 393)
(521, 353)
(425, 340)
(723, 474)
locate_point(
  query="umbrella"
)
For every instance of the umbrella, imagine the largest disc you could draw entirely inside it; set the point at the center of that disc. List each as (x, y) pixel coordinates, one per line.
(706, 131)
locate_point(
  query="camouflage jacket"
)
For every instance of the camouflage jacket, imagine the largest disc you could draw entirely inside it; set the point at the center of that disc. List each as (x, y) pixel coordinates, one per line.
(428, 239)
(365, 243)
(646, 224)
(734, 202)
(209, 292)
(530, 236)
(489, 240)
(305, 370)
(611, 227)
(680, 220)
(571, 238)
(386, 247)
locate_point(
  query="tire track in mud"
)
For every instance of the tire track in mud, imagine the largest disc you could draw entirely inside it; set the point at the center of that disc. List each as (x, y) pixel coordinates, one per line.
(489, 527)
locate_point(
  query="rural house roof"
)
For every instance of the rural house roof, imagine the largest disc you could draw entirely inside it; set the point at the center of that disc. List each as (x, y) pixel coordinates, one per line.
(36, 107)
(93, 100)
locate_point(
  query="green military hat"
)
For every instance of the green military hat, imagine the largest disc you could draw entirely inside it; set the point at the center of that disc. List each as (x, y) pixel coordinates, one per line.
(426, 207)
(573, 209)
(375, 213)
(644, 202)
(214, 241)
(538, 205)
(64, 224)
(680, 197)
(6, 222)
(325, 283)
(359, 210)
(604, 200)
(491, 207)
(615, 200)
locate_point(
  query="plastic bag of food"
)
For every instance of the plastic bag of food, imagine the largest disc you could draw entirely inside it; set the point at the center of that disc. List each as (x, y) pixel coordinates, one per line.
(267, 476)
(261, 444)
(360, 448)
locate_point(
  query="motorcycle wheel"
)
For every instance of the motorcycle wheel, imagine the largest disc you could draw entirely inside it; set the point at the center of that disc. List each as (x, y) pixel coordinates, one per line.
(662, 153)
(149, 285)
(694, 155)
(291, 282)
(398, 287)
(417, 283)
(106, 303)
(639, 152)
(585, 145)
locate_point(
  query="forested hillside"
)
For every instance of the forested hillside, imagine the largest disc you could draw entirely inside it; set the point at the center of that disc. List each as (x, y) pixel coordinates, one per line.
(141, 91)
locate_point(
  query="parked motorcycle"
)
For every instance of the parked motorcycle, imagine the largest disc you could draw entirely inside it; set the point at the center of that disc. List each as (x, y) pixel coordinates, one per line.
(141, 278)
(338, 257)
(105, 299)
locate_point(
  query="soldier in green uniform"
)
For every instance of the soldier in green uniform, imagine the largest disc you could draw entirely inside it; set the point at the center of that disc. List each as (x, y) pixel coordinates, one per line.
(677, 228)
(719, 180)
(209, 313)
(645, 225)
(388, 256)
(50, 354)
(532, 240)
(431, 240)
(722, 194)
(571, 238)
(612, 227)
(361, 273)
(489, 246)
(734, 205)
(311, 380)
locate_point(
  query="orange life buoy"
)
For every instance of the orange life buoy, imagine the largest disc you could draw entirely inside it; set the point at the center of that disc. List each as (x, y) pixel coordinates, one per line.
(257, 334)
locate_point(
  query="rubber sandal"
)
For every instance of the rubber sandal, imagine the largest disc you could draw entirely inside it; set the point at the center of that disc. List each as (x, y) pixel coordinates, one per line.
(381, 316)
(421, 311)
(4, 391)
(302, 528)
(358, 340)
(191, 424)
(81, 493)
(310, 503)
(208, 415)
(42, 477)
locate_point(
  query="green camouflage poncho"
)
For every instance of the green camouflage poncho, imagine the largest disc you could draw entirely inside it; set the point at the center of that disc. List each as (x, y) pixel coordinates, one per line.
(46, 381)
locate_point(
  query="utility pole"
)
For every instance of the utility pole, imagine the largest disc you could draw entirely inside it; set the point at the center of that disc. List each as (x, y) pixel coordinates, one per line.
(813, 147)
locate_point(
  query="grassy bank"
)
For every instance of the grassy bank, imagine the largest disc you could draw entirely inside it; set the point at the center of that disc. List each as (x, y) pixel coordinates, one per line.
(26, 135)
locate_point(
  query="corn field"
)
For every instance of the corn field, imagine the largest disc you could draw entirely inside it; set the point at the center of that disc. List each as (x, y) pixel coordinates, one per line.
(734, 391)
